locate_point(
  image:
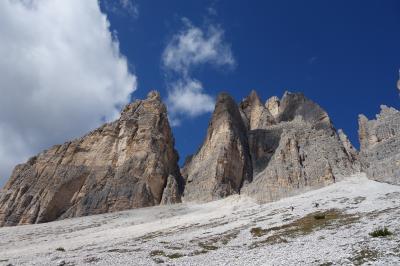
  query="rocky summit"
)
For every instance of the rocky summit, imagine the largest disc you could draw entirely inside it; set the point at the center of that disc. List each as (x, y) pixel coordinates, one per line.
(266, 151)
(129, 163)
(380, 145)
(273, 150)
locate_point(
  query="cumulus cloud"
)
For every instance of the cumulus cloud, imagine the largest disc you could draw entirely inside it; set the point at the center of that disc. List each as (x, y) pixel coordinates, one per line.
(186, 50)
(187, 98)
(61, 74)
(193, 46)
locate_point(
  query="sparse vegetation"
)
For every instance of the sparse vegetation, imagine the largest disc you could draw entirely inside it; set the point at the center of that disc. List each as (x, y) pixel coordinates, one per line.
(303, 226)
(175, 255)
(258, 231)
(364, 255)
(207, 246)
(157, 253)
(199, 252)
(381, 232)
(60, 249)
(319, 216)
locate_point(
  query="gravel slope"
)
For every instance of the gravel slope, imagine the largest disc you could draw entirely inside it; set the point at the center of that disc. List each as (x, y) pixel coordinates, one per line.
(329, 226)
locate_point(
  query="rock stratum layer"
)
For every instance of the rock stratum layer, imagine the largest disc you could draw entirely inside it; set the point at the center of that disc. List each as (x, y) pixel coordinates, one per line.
(129, 163)
(292, 147)
(380, 145)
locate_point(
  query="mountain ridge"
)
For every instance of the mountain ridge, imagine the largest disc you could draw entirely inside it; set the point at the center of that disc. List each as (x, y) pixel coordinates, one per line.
(268, 151)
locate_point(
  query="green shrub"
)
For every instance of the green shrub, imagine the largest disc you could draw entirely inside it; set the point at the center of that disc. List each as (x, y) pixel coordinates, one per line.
(381, 232)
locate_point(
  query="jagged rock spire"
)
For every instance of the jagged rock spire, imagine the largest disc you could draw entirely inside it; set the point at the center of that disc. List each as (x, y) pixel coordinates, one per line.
(223, 162)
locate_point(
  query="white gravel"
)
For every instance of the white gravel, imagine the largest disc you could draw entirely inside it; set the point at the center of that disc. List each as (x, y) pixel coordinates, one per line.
(218, 233)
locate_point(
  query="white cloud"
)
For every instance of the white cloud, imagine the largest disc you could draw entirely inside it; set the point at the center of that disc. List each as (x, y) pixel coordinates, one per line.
(193, 46)
(188, 49)
(186, 98)
(61, 74)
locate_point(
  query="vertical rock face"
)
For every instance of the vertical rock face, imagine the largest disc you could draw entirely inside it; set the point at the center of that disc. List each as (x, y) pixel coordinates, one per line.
(380, 145)
(272, 104)
(349, 148)
(292, 147)
(300, 158)
(254, 113)
(223, 163)
(296, 104)
(121, 165)
(301, 151)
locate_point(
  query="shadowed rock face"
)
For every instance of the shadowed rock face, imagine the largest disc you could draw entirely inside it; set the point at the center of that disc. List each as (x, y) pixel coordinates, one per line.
(223, 163)
(380, 145)
(296, 104)
(121, 165)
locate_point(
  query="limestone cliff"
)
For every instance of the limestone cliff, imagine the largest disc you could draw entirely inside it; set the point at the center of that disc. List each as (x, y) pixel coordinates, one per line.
(223, 162)
(292, 146)
(301, 151)
(380, 145)
(121, 165)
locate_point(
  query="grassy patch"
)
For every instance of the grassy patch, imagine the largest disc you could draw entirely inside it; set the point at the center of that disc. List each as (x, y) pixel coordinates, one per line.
(258, 231)
(207, 246)
(60, 249)
(331, 219)
(381, 232)
(157, 253)
(319, 216)
(363, 256)
(175, 255)
(274, 239)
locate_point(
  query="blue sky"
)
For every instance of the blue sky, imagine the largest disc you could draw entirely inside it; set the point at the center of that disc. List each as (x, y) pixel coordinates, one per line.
(342, 54)
(68, 66)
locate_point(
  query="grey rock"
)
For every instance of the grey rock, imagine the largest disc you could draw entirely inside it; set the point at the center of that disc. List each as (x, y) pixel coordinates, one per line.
(172, 191)
(121, 165)
(254, 113)
(380, 145)
(223, 162)
(296, 104)
(292, 146)
(352, 153)
(272, 104)
(299, 158)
